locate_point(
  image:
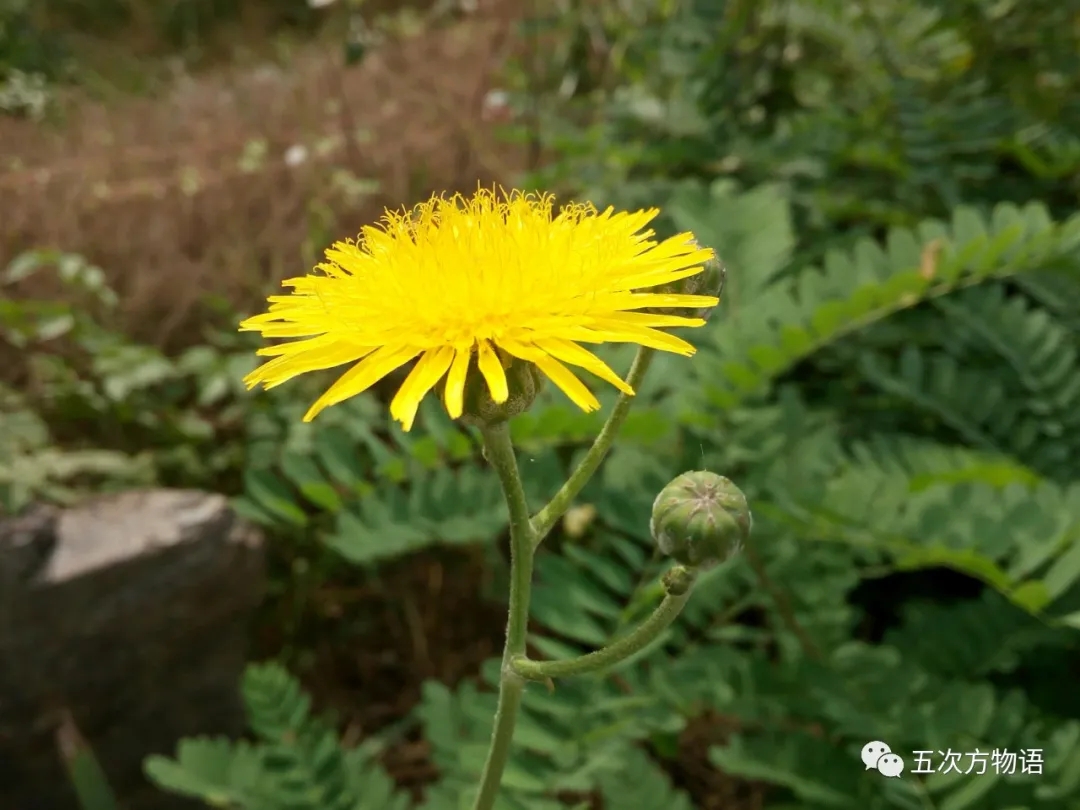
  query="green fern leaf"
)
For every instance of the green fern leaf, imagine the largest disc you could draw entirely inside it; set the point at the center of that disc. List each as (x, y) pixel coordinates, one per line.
(462, 506)
(216, 771)
(786, 323)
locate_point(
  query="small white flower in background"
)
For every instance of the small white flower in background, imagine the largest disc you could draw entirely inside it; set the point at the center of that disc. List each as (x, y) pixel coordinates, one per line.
(496, 106)
(296, 154)
(25, 94)
(319, 3)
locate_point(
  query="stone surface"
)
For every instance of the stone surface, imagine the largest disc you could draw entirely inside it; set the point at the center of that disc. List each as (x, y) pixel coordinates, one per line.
(129, 613)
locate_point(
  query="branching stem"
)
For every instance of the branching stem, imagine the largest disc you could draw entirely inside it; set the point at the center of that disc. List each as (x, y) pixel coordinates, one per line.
(678, 583)
(543, 521)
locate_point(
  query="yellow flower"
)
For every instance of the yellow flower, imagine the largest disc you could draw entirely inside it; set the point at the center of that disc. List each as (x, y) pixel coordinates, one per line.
(493, 277)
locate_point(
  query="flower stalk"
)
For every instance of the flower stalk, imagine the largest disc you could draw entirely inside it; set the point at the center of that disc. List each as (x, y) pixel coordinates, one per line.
(500, 454)
(678, 583)
(480, 298)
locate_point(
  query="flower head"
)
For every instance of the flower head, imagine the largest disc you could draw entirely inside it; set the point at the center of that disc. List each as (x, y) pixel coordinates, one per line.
(480, 282)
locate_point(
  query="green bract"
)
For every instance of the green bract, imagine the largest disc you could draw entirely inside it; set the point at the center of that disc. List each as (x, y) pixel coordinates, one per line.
(700, 519)
(524, 382)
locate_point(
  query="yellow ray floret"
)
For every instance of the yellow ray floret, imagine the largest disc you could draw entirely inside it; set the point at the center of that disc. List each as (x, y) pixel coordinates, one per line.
(494, 276)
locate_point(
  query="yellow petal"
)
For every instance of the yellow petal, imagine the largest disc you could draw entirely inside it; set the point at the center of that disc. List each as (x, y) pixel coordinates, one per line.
(298, 357)
(632, 301)
(612, 331)
(569, 384)
(362, 376)
(652, 319)
(284, 368)
(572, 353)
(492, 369)
(285, 329)
(663, 273)
(428, 370)
(454, 395)
(558, 373)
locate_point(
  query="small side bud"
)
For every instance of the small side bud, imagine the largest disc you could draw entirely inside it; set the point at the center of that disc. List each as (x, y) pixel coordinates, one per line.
(710, 281)
(700, 519)
(523, 381)
(679, 580)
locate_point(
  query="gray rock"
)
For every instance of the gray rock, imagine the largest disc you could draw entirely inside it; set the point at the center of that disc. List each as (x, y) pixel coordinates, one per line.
(129, 613)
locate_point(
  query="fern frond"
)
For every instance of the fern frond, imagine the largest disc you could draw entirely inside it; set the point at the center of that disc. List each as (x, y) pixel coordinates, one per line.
(1019, 540)
(987, 635)
(220, 772)
(640, 784)
(1045, 359)
(751, 347)
(299, 764)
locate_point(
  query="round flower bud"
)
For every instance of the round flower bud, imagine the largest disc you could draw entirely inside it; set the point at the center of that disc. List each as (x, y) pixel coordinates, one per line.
(700, 519)
(710, 281)
(523, 382)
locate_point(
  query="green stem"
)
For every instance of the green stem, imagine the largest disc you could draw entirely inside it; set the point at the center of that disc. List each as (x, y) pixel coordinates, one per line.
(678, 582)
(500, 453)
(546, 517)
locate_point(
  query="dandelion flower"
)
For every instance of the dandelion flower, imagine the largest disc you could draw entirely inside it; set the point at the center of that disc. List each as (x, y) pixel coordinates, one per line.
(492, 278)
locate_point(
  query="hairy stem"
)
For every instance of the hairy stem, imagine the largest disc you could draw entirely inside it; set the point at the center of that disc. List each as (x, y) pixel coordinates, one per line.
(546, 517)
(500, 453)
(678, 583)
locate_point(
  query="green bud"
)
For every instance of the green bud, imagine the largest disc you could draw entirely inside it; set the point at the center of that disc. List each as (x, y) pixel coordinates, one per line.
(523, 381)
(700, 519)
(678, 580)
(710, 281)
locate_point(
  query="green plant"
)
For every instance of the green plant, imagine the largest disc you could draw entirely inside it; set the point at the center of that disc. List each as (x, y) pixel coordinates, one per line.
(24, 46)
(179, 419)
(486, 294)
(33, 468)
(892, 378)
(296, 762)
(88, 779)
(831, 511)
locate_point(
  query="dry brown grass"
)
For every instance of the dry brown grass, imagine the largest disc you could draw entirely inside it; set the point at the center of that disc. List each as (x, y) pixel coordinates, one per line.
(154, 190)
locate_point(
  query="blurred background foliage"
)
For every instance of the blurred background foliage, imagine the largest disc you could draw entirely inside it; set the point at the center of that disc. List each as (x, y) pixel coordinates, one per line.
(893, 378)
